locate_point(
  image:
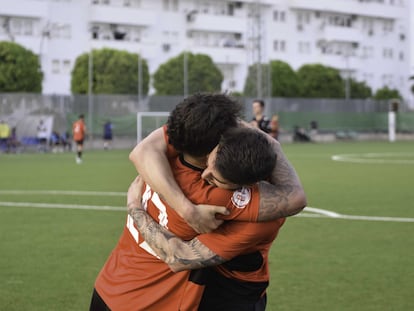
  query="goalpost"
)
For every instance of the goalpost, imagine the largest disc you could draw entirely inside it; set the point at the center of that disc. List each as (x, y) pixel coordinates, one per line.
(148, 121)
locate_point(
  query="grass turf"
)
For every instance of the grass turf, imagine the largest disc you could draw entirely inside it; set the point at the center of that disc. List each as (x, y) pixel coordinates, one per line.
(50, 257)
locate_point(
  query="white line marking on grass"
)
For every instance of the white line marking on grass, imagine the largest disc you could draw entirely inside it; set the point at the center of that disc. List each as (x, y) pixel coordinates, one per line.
(320, 213)
(375, 158)
(63, 192)
(64, 206)
(309, 212)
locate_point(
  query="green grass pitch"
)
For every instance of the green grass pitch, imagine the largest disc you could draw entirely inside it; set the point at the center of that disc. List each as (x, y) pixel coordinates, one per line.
(51, 256)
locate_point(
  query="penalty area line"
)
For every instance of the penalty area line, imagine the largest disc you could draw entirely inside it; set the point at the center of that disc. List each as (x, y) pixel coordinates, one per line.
(64, 206)
(63, 192)
(309, 212)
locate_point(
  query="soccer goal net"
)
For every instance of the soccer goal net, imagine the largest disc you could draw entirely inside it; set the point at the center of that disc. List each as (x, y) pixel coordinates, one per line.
(149, 121)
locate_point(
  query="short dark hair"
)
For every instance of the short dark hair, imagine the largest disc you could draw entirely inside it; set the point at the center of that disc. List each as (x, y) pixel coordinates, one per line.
(245, 156)
(81, 116)
(197, 123)
(260, 101)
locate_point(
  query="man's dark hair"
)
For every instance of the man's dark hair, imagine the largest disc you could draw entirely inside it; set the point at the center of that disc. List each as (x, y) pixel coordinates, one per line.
(245, 156)
(260, 101)
(197, 123)
(81, 116)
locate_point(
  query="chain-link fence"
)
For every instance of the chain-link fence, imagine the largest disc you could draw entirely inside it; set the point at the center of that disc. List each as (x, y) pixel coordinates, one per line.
(330, 114)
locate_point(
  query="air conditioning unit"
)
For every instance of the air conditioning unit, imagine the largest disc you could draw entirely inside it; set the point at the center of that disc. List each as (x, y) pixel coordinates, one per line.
(119, 35)
(191, 16)
(166, 47)
(238, 4)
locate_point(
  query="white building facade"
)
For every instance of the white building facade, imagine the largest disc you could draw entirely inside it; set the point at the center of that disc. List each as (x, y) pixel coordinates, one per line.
(368, 40)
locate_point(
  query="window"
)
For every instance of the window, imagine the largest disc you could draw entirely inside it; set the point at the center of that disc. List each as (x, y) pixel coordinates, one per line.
(66, 66)
(65, 31)
(283, 45)
(304, 47)
(279, 16)
(16, 26)
(279, 45)
(387, 53)
(55, 66)
(28, 27)
(170, 5)
(275, 16)
(401, 55)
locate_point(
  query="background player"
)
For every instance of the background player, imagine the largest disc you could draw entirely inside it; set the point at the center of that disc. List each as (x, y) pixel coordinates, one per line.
(79, 133)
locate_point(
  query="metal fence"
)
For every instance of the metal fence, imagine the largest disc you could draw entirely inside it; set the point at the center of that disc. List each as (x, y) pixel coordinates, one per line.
(331, 114)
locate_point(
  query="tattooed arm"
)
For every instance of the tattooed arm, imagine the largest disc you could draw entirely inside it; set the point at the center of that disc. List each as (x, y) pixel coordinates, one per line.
(283, 195)
(178, 254)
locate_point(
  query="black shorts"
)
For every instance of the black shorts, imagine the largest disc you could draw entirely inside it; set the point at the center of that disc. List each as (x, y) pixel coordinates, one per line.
(226, 294)
(79, 142)
(97, 303)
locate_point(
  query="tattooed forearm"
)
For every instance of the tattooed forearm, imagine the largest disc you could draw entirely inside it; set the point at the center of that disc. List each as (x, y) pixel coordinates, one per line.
(284, 195)
(178, 254)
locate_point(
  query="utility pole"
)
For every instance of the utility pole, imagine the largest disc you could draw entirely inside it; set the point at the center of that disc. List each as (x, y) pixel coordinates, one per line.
(185, 73)
(258, 21)
(90, 93)
(139, 78)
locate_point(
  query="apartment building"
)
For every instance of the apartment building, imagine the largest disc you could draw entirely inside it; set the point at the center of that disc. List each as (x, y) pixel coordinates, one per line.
(368, 40)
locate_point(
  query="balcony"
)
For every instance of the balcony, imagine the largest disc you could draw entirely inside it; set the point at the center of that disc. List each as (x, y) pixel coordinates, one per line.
(211, 23)
(343, 34)
(222, 55)
(350, 7)
(25, 8)
(340, 62)
(121, 15)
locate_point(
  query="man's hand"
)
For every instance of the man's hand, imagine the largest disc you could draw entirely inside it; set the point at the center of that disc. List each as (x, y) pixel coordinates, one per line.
(202, 218)
(134, 195)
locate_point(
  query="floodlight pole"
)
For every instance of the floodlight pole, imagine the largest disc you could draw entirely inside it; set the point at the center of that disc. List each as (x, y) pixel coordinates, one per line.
(139, 78)
(90, 93)
(259, 50)
(185, 73)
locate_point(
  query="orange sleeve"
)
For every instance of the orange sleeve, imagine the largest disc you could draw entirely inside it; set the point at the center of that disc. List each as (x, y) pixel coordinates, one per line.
(171, 152)
(243, 203)
(236, 238)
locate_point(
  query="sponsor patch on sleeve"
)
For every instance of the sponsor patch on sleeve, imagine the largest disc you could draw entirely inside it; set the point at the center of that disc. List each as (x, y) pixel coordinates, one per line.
(241, 197)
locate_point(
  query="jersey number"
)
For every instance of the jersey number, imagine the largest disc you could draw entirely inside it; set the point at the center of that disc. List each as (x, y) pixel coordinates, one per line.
(162, 217)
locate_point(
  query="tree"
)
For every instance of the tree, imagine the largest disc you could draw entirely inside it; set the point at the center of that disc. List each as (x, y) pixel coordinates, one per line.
(20, 69)
(203, 75)
(285, 81)
(250, 86)
(360, 89)
(319, 81)
(114, 72)
(387, 93)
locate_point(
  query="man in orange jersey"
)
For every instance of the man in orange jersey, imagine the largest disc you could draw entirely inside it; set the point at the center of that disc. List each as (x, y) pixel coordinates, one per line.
(79, 133)
(133, 277)
(241, 282)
